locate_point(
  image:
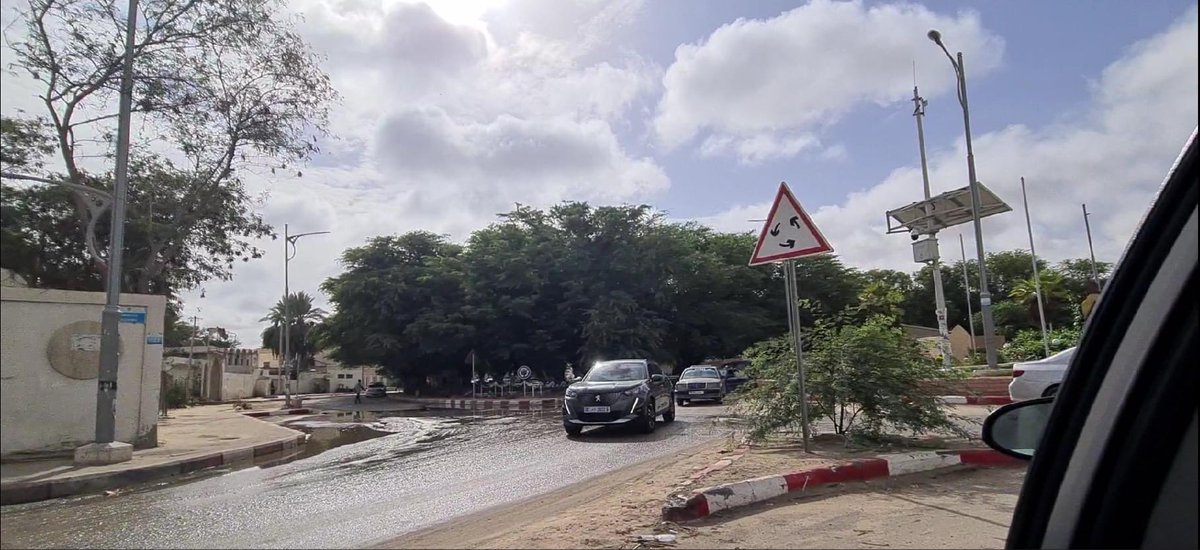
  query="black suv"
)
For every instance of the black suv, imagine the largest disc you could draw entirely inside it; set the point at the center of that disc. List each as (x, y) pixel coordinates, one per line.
(619, 392)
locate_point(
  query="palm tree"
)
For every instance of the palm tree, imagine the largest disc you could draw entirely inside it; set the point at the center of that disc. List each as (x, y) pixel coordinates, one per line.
(304, 320)
(1054, 292)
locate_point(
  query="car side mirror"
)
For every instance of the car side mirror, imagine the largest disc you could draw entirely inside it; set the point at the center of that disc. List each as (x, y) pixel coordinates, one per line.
(1016, 429)
(657, 377)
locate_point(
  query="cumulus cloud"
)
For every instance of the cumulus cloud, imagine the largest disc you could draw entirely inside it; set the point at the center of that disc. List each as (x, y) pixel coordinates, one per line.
(443, 125)
(764, 88)
(1142, 109)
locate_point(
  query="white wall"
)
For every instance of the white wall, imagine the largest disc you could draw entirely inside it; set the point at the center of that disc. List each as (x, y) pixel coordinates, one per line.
(44, 411)
(235, 385)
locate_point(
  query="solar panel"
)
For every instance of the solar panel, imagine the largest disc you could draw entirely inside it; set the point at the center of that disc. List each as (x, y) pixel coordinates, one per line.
(946, 210)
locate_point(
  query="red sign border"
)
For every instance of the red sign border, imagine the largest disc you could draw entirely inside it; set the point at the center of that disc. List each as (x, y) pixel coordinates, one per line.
(822, 244)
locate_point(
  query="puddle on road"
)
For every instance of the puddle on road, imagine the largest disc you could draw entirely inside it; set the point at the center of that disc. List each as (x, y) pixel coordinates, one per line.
(421, 428)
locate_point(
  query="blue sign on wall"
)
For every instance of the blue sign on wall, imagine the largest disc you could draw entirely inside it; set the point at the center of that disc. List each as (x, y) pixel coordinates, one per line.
(135, 317)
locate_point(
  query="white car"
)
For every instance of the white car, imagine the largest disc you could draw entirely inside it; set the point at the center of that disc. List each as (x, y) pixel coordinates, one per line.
(1041, 378)
(700, 383)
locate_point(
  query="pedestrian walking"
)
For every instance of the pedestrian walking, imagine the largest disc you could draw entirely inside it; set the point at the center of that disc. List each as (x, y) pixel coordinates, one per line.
(358, 389)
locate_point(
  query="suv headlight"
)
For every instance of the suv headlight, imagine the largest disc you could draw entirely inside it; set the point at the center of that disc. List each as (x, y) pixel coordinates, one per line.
(571, 392)
(639, 390)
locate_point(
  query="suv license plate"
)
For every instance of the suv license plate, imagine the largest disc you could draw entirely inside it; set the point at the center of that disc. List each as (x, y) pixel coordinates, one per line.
(596, 409)
(699, 392)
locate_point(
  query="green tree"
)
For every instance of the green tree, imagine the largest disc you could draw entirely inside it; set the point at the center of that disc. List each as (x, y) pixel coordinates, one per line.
(296, 311)
(867, 379)
(1055, 296)
(400, 305)
(221, 87)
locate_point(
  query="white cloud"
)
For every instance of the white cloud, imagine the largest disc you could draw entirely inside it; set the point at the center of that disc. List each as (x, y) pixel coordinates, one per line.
(1143, 108)
(769, 86)
(443, 125)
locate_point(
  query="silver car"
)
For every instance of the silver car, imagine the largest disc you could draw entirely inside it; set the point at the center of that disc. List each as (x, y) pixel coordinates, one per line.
(699, 383)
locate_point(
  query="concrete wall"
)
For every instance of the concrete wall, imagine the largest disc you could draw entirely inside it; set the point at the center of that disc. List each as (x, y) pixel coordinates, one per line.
(235, 385)
(49, 359)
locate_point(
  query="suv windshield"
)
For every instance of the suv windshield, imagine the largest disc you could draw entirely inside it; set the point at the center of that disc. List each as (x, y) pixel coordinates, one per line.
(700, 373)
(616, 372)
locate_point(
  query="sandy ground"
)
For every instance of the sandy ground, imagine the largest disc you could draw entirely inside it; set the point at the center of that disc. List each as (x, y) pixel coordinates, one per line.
(961, 508)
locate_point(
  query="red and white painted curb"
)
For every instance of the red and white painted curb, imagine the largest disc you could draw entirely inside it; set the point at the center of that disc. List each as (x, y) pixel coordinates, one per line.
(281, 412)
(703, 502)
(975, 399)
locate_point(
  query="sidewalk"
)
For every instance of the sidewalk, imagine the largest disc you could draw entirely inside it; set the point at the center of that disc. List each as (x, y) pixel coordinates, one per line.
(191, 439)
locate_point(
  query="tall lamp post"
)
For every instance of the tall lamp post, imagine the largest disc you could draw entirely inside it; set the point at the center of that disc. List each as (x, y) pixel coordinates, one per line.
(106, 449)
(985, 296)
(289, 252)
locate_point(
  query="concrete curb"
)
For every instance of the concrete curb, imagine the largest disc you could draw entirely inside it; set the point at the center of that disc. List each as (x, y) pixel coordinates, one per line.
(21, 492)
(703, 502)
(975, 399)
(489, 404)
(281, 412)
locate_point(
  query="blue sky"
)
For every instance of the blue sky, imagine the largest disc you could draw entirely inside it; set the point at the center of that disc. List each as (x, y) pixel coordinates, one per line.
(453, 110)
(1053, 52)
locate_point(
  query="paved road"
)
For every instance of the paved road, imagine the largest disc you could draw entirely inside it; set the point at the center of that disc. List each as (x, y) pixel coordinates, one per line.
(429, 470)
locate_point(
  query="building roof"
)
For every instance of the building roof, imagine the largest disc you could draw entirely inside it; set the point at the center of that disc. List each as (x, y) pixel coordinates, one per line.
(917, 331)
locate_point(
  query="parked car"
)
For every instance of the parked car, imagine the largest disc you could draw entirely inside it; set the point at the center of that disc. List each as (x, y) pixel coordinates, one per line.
(1041, 378)
(376, 389)
(700, 383)
(1113, 453)
(620, 392)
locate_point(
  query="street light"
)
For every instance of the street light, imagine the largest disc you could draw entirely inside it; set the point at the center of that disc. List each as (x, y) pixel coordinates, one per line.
(289, 252)
(985, 296)
(105, 449)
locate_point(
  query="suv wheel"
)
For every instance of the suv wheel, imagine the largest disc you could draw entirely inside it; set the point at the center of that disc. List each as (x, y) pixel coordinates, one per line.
(648, 422)
(573, 430)
(669, 415)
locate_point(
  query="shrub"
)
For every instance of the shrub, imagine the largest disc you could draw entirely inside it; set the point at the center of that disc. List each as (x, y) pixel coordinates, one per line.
(1027, 345)
(177, 397)
(865, 379)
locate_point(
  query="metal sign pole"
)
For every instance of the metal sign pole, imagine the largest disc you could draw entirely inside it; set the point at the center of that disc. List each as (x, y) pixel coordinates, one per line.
(792, 291)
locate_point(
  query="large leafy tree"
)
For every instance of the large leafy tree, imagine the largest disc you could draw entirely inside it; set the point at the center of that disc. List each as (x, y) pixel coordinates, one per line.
(399, 305)
(219, 89)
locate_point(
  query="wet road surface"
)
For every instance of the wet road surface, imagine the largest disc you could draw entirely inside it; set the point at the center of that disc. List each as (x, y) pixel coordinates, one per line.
(428, 469)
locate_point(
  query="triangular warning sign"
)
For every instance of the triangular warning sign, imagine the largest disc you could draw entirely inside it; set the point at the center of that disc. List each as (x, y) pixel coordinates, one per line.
(789, 232)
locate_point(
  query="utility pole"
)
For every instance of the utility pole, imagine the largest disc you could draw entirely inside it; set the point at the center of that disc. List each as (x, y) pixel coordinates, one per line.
(289, 247)
(191, 348)
(938, 292)
(1037, 281)
(1092, 251)
(287, 322)
(967, 285)
(106, 449)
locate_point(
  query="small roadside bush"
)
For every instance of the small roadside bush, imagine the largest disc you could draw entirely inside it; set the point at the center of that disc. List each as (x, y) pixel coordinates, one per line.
(868, 380)
(177, 397)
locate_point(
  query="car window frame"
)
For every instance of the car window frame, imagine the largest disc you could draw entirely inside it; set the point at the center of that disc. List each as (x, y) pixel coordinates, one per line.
(1062, 494)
